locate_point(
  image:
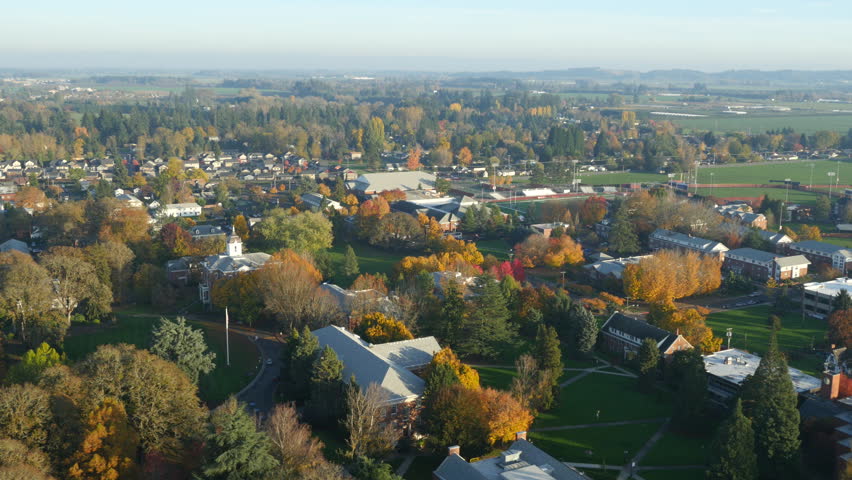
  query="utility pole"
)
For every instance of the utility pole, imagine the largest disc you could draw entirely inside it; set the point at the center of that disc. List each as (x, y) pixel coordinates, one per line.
(811, 182)
(830, 175)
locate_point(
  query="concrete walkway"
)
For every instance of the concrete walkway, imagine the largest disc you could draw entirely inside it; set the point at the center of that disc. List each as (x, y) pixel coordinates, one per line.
(406, 464)
(633, 464)
(602, 424)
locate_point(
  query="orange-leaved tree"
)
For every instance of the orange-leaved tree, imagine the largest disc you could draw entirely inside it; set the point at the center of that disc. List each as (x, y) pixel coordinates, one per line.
(468, 377)
(109, 445)
(669, 275)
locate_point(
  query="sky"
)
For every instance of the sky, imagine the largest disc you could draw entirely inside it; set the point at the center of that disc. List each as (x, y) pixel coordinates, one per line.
(432, 35)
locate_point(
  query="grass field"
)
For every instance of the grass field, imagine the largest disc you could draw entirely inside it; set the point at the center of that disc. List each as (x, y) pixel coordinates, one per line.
(742, 173)
(606, 444)
(686, 474)
(370, 259)
(793, 196)
(499, 248)
(136, 330)
(751, 332)
(615, 397)
(500, 378)
(677, 449)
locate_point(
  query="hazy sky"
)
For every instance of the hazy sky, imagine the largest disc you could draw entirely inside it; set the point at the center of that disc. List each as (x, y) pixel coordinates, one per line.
(427, 34)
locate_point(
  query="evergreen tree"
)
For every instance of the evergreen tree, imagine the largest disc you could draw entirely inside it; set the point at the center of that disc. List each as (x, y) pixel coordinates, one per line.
(559, 314)
(546, 352)
(235, 448)
(299, 355)
(648, 359)
(350, 263)
(732, 455)
(178, 342)
(691, 390)
(325, 403)
(770, 400)
(451, 317)
(584, 330)
(486, 323)
(622, 237)
(842, 301)
(441, 375)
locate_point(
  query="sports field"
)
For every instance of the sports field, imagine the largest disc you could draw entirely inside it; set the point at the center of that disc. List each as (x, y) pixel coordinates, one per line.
(759, 123)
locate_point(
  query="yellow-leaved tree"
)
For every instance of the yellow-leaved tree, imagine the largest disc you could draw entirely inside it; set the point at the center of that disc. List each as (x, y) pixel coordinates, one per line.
(377, 327)
(108, 446)
(468, 377)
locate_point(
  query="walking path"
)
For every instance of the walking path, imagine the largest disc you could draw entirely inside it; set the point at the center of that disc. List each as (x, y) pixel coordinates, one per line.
(406, 464)
(602, 424)
(632, 465)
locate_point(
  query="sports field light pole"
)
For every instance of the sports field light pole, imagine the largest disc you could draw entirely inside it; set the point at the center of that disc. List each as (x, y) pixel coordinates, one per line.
(811, 183)
(830, 174)
(787, 193)
(712, 182)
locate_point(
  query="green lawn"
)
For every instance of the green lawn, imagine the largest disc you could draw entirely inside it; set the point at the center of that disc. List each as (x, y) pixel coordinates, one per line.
(607, 444)
(136, 329)
(687, 474)
(616, 397)
(677, 449)
(500, 378)
(751, 332)
(499, 248)
(601, 474)
(619, 178)
(793, 196)
(805, 123)
(842, 241)
(334, 443)
(370, 259)
(422, 467)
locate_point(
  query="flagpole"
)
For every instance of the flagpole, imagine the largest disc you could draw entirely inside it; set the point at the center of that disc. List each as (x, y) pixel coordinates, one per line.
(227, 341)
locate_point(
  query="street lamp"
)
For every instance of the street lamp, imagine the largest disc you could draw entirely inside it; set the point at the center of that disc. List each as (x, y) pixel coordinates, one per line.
(729, 333)
(712, 182)
(787, 193)
(563, 280)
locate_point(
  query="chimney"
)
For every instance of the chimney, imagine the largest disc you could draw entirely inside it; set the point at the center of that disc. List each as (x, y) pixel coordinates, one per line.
(520, 435)
(454, 450)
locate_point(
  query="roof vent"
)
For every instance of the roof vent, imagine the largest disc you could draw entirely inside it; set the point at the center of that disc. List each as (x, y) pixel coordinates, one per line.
(728, 360)
(511, 456)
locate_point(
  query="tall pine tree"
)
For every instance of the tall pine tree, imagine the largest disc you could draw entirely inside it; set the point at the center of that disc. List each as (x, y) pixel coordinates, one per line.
(325, 403)
(235, 449)
(350, 263)
(622, 237)
(583, 330)
(546, 352)
(691, 391)
(769, 400)
(648, 359)
(299, 355)
(450, 319)
(732, 455)
(486, 324)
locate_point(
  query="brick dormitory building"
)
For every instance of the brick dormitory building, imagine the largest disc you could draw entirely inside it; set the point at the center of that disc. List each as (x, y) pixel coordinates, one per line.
(761, 266)
(666, 239)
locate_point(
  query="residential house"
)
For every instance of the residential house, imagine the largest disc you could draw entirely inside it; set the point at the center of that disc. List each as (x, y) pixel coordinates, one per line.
(391, 366)
(179, 271)
(666, 239)
(373, 183)
(623, 335)
(728, 369)
(13, 244)
(201, 232)
(522, 461)
(180, 210)
(228, 264)
(761, 266)
(822, 253)
(319, 202)
(780, 242)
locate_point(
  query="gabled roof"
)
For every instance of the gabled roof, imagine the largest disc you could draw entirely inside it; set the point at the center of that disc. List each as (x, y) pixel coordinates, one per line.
(637, 330)
(378, 182)
(532, 463)
(773, 237)
(821, 247)
(687, 241)
(241, 263)
(369, 364)
(409, 354)
(13, 244)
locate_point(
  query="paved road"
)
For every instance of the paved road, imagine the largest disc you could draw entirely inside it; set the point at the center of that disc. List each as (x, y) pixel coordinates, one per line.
(262, 393)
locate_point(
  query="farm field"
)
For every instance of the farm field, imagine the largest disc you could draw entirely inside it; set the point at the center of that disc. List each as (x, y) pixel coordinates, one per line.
(751, 333)
(758, 123)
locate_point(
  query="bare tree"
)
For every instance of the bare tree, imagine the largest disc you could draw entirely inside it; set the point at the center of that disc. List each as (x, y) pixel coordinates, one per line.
(294, 446)
(370, 430)
(525, 383)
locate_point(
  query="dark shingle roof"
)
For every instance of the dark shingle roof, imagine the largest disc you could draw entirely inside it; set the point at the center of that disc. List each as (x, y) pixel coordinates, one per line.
(639, 329)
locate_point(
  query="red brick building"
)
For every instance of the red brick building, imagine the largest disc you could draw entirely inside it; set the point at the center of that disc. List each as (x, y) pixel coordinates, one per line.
(623, 335)
(761, 266)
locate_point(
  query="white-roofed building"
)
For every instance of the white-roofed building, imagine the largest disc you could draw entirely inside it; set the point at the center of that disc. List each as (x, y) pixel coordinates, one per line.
(818, 296)
(728, 369)
(666, 239)
(373, 183)
(181, 210)
(611, 267)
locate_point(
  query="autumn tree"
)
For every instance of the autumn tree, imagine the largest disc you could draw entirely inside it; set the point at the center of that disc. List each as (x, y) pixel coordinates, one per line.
(537, 250)
(379, 328)
(840, 327)
(32, 198)
(690, 323)
(25, 415)
(464, 156)
(20, 462)
(398, 231)
(289, 286)
(807, 232)
(109, 444)
(235, 448)
(113, 263)
(241, 228)
(161, 401)
(176, 341)
(25, 293)
(365, 421)
(465, 375)
(593, 210)
(669, 275)
(75, 281)
(414, 155)
(176, 239)
(533, 386)
(241, 294)
(293, 445)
